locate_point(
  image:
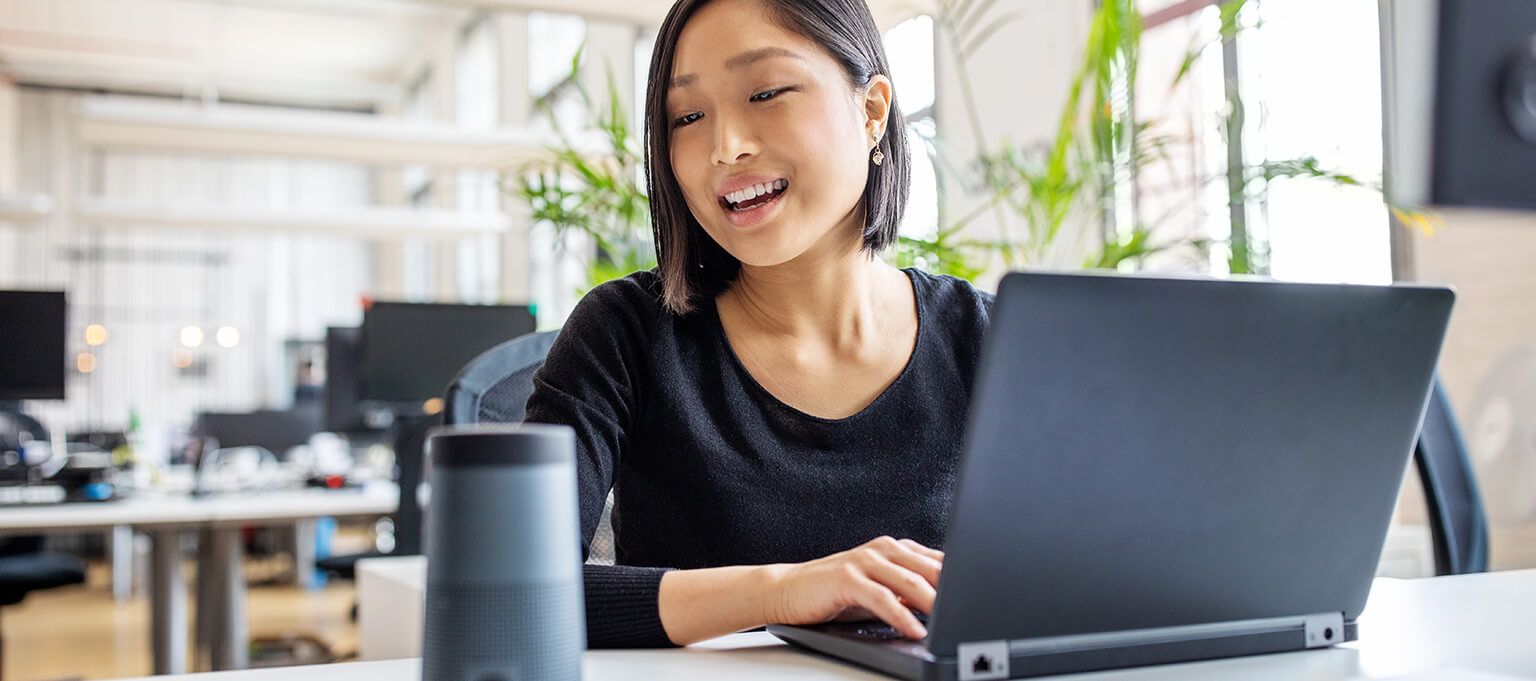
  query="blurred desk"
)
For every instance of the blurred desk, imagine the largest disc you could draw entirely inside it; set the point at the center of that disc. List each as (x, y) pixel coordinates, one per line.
(164, 518)
(1483, 623)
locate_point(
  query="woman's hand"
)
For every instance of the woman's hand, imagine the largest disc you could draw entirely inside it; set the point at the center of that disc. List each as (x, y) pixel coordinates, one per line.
(886, 578)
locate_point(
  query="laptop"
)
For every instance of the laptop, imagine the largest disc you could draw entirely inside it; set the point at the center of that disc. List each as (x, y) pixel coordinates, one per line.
(1162, 470)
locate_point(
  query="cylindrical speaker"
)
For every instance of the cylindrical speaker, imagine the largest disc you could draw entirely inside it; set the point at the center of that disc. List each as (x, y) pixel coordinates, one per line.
(504, 598)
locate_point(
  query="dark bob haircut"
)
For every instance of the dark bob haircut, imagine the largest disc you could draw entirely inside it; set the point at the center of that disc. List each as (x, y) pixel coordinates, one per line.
(693, 267)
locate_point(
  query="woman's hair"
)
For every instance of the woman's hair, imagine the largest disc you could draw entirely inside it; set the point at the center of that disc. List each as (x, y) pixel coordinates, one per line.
(692, 265)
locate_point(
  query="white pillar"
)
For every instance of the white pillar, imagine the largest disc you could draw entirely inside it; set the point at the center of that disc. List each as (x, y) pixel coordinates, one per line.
(516, 109)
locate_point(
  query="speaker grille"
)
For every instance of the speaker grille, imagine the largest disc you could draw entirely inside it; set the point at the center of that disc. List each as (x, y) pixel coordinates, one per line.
(503, 633)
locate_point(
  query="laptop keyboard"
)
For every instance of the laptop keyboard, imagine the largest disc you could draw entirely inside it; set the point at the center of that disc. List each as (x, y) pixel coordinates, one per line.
(876, 631)
(884, 632)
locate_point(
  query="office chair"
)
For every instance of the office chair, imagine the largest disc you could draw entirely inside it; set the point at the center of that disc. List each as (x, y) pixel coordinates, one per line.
(25, 568)
(1458, 526)
(495, 387)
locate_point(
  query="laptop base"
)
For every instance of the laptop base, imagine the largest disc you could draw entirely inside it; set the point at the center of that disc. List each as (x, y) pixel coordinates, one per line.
(907, 659)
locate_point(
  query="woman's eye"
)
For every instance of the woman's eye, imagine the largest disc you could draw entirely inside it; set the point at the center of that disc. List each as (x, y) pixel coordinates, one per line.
(765, 95)
(686, 119)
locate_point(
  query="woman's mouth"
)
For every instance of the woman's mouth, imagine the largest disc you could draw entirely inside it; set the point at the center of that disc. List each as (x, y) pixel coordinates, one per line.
(752, 205)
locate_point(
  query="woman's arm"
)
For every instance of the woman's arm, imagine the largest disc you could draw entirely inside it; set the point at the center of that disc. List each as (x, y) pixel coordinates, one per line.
(885, 578)
(590, 382)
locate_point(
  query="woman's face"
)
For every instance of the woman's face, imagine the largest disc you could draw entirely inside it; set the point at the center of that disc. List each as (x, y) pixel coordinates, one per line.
(769, 142)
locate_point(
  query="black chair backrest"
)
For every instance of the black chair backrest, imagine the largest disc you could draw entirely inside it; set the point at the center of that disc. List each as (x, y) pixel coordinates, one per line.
(494, 387)
(1457, 524)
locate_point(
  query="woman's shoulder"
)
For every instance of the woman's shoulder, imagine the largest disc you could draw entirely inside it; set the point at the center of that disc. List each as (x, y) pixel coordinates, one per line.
(630, 300)
(953, 298)
(639, 290)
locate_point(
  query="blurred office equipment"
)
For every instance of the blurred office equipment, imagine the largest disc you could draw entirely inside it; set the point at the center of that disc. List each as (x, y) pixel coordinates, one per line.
(276, 431)
(344, 411)
(33, 467)
(412, 350)
(32, 329)
(244, 450)
(1461, 116)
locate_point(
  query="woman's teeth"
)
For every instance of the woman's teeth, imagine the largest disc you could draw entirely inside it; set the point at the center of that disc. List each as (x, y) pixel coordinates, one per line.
(744, 198)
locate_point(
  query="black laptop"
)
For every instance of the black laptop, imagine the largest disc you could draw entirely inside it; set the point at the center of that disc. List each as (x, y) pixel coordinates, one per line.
(1161, 470)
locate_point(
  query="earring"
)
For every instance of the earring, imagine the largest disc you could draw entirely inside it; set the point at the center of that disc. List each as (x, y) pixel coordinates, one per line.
(878, 157)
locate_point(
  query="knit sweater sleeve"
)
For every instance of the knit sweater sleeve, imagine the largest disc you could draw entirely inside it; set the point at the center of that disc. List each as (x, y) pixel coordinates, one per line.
(592, 382)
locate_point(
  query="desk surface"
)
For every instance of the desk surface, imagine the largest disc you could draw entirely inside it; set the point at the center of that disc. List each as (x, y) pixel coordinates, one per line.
(151, 509)
(1447, 627)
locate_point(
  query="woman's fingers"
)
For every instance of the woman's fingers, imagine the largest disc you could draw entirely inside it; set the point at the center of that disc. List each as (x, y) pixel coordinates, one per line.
(919, 563)
(911, 555)
(935, 554)
(911, 586)
(878, 599)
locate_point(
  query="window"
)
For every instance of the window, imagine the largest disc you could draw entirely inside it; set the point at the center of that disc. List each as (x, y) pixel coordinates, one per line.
(554, 40)
(1183, 194)
(1304, 228)
(1319, 231)
(909, 46)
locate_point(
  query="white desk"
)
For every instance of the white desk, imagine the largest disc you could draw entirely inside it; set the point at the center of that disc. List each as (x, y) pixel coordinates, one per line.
(1484, 623)
(390, 602)
(222, 584)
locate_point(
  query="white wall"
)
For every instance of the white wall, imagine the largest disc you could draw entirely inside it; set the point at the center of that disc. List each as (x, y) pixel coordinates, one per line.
(9, 160)
(8, 136)
(1491, 260)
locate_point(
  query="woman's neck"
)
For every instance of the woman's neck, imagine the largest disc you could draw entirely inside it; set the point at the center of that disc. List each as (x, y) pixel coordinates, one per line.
(839, 296)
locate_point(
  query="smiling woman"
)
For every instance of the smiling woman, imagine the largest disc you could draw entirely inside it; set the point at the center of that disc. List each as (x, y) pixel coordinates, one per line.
(774, 404)
(808, 92)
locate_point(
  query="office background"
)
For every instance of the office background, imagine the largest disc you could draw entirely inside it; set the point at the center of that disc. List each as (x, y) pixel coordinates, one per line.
(214, 183)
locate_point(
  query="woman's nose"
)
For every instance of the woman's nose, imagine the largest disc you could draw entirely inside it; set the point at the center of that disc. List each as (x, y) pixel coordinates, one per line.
(733, 143)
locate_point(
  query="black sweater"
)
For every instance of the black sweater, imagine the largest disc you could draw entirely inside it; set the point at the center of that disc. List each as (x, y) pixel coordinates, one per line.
(709, 469)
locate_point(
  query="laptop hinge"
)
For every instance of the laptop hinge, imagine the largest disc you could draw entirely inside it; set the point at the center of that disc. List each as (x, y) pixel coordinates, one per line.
(1318, 631)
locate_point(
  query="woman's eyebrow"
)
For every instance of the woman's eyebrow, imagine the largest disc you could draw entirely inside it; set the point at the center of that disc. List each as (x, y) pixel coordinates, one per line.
(740, 61)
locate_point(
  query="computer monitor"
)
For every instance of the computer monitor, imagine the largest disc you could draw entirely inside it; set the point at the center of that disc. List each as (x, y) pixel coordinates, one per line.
(344, 412)
(32, 348)
(411, 351)
(275, 431)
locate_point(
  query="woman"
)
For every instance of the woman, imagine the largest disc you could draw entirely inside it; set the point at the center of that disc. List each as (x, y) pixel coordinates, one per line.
(773, 403)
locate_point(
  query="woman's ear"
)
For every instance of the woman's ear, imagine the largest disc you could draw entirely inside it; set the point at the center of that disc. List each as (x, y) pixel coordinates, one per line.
(877, 107)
